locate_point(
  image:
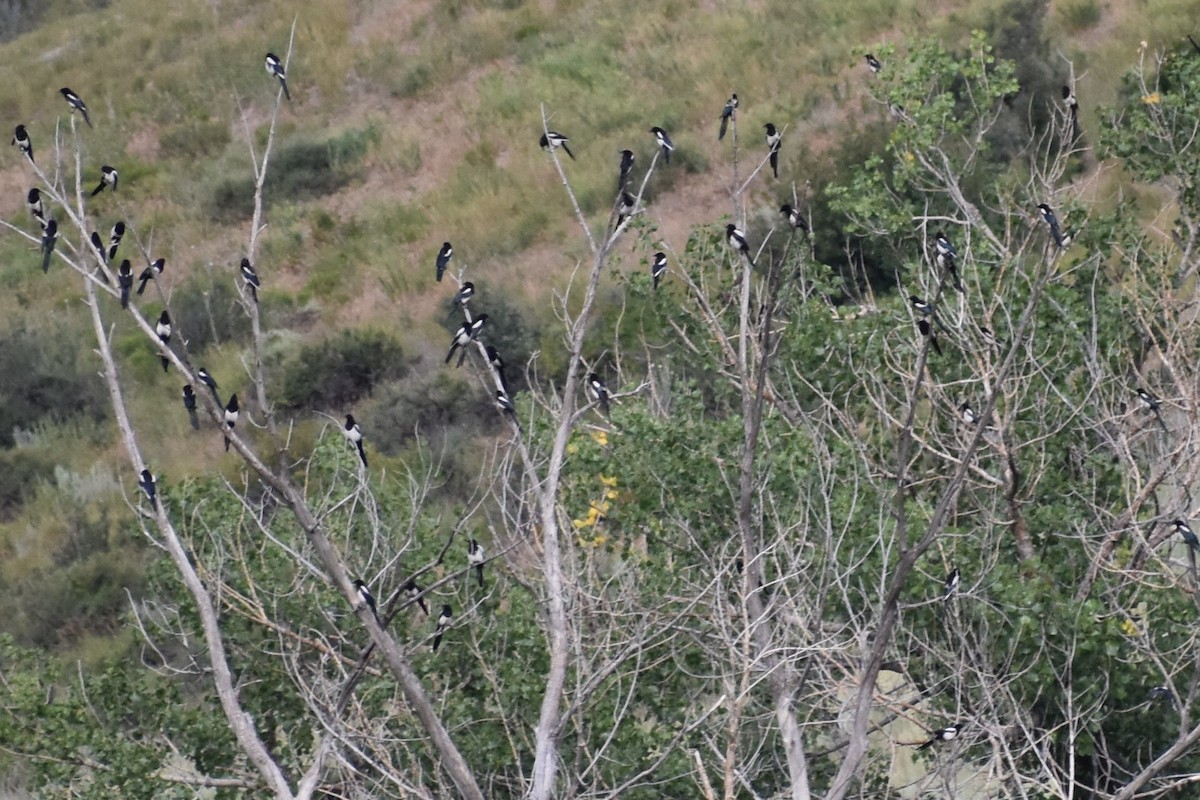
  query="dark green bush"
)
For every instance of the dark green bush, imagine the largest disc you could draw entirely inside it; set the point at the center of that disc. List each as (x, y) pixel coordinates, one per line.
(20, 471)
(207, 312)
(340, 370)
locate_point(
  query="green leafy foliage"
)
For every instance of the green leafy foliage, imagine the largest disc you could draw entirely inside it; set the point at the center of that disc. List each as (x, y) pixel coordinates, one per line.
(340, 370)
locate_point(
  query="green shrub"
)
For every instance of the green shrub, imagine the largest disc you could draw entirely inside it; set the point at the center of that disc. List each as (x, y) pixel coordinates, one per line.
(194, 139)
(20, 471)
(207, 312)
(340, 370)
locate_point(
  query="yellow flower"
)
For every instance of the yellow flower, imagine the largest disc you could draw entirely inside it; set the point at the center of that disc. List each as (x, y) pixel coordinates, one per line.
(572, 449)
(600, 437)
(909, 157)
(611, 494)
(1129, 628)
(607, 481)
(1151, 99)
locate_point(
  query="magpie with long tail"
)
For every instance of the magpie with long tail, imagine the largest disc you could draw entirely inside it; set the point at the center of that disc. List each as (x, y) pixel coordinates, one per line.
(737, 242)
(951, 585)
(462, 296)
(945, 262)
(354, 434)
(664, 141)
(231, 417)
(774, 141)
(250, 277)
(475, 559)
(929, 333)
(598, 392)
(33, 202)
(125, 281)
(163, 329)
(114, 239)
(275, 69)
(150, 487)
(108, 177)
(658, 268)
(443, 259)
(498, 364)
(627, 161)
(624, 207)
(727, 113)
(553, 139)
(943, 735)
(98, 246)
(23, 143)
(76, 103)
(943, 245)
(1052, 221)
(465, 334)
(505, 405)
(189, 404)
(49, 240)
(151, 273)
(1189, 536)
(873, 63)
(207, 380)
(443, 622)
(1150, 402)
(365, 598)
(412, 591)
(1071, 104)
(794, 217)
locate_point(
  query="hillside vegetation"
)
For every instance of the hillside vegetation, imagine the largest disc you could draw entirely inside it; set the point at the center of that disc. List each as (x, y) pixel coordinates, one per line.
(753, 540)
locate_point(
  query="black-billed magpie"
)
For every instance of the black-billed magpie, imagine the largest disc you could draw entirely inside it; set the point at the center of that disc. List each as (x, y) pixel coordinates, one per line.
(98, 246)
(475, 559)
(33, 202)
(553, 139)
(627, 160)
(943, 735)
(463, 337)
(275, 68)
(163, 329)
(737, 242)
(412, 591)
(189, 404)
(114, 239)
(231, 417)
(150, 273)
(945, 261)
(1150, 402)
(624, 207)
(1189, 536)
(664, 141)
(443, 259)
(354, 434)
(599, 392)
(944, 246)
(497, 364)
(49, 239)
(108, 177)
(928, 332)
(794, 217)
(76, 103)
(658, 267)
(150, 487)
(125, 281)
(443, 622)
(967, 413)
(774, 140)
(207, 380)
(505, 404)
(22, 141)
(462, 296)
(250, 277)
(727, 113)
(365, 598)
(874, 63)
(1052, 221)
(951, 584)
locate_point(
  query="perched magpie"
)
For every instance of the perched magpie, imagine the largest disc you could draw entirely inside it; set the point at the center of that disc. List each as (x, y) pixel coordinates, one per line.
(150, 487)
(664, 141)
(505, 404)
(413, 592)
(33, 202)
(208, 381)
(599, 392)
(1150, 402)
(1193, 543)
(1052, 221)
(475, 559)
(553, 139)
(658, 267)
(624, 207)
(794, 217)
(944, 246)
(354, 434)
(988, 337)
(114, 239)
(968, 414)
(443, 622)
(737, 242)
(275, 68)
(98, 244)
(944, 735)
(1072, 106)
(189, 403)
(231, 416)
(945, 261)
(951, 584)
(774, 140)
(365, 598)
(49, 239)
(462, 296)
(463, 336)
(22, 141)
(928, 332)
(874, 63)
(251, 278)
(76, 103)
(497, 364)
(920, 305)
(443, 259)
(727, 113)
(626, 168)
(1160, 692)
(163, 329)
(108, 177)
(150, 273)
(125, 281)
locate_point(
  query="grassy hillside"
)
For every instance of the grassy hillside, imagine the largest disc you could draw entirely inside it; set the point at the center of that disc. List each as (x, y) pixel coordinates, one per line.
(411, 123)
